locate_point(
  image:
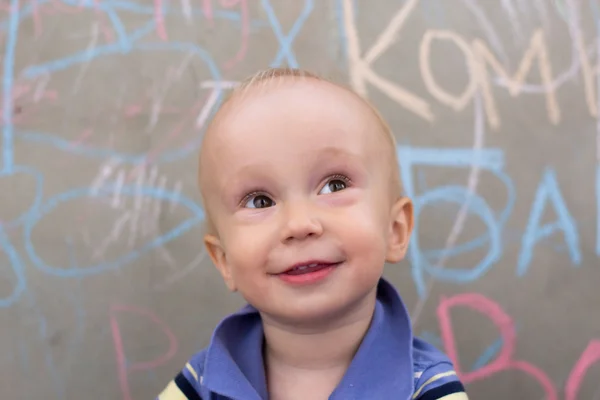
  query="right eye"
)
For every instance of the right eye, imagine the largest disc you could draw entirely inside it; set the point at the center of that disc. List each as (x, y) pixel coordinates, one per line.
(258, 201)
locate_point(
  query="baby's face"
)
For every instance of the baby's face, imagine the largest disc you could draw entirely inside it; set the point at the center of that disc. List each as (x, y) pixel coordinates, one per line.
(299, 175)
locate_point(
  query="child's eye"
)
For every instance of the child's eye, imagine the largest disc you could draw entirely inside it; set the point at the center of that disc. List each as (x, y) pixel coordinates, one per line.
(258, 201)
(335, 184)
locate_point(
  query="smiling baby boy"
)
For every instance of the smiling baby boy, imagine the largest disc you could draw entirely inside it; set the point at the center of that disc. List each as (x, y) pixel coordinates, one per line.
(300, 182)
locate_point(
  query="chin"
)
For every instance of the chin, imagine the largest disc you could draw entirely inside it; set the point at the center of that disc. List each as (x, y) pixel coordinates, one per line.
(324, 311)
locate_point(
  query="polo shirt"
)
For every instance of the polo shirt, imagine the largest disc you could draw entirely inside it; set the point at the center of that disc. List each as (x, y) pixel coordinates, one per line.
(390, 363)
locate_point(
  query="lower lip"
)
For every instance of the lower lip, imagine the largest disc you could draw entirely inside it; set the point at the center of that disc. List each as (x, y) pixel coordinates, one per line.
(309, 277)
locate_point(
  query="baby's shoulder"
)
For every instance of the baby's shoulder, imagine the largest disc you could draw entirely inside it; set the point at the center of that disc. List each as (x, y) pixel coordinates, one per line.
(187, 384)
(434, 374)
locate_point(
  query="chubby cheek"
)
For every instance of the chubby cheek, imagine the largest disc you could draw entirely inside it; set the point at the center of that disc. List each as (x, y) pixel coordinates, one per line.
(246, 251)
(364, 233)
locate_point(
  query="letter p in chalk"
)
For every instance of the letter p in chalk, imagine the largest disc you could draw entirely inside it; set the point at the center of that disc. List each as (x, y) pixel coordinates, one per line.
(122, 367)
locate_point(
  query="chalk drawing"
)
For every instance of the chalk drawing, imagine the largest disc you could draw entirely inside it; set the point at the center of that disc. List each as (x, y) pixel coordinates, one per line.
(285, 41)
(548, 191)
(25, 173)
(245, 33)
(18, 270)
(7, 83)
(360, 68)
(124, 369)
(450, 247)
(537, 49)
(505, 360)
(108, 191)
(457, 102)
(590, 356)
(485, 159)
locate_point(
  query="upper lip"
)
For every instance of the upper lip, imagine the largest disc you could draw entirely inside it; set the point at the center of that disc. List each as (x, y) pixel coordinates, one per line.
(310, 262)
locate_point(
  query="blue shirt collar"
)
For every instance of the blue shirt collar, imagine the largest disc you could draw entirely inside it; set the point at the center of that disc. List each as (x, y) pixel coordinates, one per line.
(381, 368)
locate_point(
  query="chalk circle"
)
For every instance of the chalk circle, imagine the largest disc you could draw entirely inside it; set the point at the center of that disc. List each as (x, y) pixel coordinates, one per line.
(477, 206)
(16, 265)
(108, 191)
(37, 195)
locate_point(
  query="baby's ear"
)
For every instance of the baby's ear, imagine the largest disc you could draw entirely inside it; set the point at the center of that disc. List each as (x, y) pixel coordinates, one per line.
(219, 258)
(400, 229)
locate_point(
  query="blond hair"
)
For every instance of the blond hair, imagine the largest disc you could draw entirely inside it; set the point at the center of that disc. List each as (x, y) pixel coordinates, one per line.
(272, 76)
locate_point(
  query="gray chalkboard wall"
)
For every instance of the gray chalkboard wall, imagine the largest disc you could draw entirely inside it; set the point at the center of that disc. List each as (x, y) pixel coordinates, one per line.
(105, 289)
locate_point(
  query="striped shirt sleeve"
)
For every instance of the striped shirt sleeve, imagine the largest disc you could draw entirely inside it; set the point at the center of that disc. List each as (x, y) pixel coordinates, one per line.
(439, 382)
(185, 386)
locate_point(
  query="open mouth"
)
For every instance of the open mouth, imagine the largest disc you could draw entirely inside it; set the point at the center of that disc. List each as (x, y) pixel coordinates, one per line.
(309, 268)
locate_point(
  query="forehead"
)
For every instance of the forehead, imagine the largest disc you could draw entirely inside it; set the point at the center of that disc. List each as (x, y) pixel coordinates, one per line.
(293, 119)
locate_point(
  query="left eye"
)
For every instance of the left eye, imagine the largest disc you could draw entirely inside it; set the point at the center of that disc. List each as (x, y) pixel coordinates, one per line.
(334, 185)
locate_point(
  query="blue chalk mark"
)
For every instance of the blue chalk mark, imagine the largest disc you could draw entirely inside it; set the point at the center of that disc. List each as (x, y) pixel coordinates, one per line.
(285, 41)
(233, 16)
(117, 25)
(71, 60)
(86, 56)
(112, 49)
(37, 198)
(474, 244)
(484, 358)
(548, 190)
(489, 159)
(143, 31)
(457, 250)
(21, 15)
(7, 81)
(108, 190)
(122, 39)
(478, 206)
(18, 269)
(488, 354)
(339, 14)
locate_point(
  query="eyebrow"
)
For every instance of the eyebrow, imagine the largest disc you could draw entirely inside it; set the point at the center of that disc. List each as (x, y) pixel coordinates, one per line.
(239, 181)
(335, 152)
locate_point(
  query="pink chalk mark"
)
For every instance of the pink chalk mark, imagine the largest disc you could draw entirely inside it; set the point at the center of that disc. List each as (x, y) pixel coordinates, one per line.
(590, 356)
(104, 25)
(37, 21)
(159, 18)
(133, 110)
(241, 54)
(208, 10)
(122, 369)
(504, 361)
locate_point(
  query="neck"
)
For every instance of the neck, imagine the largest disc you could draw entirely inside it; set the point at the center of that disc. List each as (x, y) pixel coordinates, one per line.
(325, 346)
